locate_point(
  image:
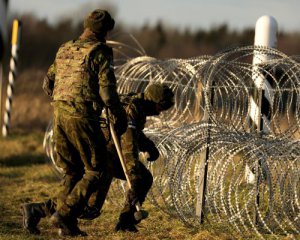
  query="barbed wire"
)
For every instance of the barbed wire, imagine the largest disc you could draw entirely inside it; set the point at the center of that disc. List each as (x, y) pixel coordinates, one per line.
(229, 197)
(253, 174)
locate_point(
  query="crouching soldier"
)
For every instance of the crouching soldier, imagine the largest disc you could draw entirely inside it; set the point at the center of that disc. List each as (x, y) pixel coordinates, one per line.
(155, 99)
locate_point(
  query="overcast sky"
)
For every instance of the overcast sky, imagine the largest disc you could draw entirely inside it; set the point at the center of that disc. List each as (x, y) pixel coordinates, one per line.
(194, 14)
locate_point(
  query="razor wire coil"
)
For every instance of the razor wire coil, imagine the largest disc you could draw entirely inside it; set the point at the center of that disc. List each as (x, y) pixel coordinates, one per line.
(243, 163)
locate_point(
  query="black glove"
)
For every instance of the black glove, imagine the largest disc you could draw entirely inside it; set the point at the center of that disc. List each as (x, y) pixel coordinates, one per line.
(120, 121)
(153, 152)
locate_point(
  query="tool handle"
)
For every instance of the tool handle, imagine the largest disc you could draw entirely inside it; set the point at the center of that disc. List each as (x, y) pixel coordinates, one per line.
(120, 154)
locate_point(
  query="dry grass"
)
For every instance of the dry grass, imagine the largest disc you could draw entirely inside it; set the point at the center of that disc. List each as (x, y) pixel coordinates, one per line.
(26, 175)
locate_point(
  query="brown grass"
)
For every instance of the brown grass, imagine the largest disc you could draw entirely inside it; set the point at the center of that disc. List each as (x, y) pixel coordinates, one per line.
(26, 176)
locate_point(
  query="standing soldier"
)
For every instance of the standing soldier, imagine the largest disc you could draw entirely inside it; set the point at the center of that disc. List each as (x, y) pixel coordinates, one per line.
(81, 82)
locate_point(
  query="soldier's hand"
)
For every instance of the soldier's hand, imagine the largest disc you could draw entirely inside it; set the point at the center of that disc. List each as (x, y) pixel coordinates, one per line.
(120, 127)
(153, 153)
(120, 121)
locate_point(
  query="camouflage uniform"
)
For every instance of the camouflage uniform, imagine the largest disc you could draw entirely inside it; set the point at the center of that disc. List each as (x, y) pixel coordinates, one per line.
(133, 141)
(81, 82)
(79, 95)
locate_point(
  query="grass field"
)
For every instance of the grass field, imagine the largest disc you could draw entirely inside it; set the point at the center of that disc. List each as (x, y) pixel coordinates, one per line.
(25, 176)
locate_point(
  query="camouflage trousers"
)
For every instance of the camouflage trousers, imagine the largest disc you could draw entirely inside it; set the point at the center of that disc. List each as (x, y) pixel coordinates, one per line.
(81, 153)
(140, 176)
(141, 180)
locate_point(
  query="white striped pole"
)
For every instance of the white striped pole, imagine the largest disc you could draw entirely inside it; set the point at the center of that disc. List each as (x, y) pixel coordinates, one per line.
(260, 113)
(16, 37)
(265, 35)
(262, 97)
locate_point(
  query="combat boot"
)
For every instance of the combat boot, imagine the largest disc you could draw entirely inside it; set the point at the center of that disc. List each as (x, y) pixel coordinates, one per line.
(126, 222)
(90, 213)
(125, 227)
(32, 214)
(66, 226)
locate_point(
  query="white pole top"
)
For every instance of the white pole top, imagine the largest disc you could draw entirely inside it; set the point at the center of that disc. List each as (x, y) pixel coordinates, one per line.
(266, 32)
(266, 36)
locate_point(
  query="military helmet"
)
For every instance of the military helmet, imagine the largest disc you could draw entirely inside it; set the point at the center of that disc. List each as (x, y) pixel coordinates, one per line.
(161, 94)
(99, 21)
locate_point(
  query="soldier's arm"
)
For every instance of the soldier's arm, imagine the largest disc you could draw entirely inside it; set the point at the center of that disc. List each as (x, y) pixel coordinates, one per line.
(103, 63)
(130, 139)
(48, 83)
(107, 79)
(147, 145)
(130, 145)
(144, 142)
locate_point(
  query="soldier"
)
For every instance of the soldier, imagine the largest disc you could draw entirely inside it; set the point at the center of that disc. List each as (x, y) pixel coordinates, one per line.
(155, 99)
(81, 82)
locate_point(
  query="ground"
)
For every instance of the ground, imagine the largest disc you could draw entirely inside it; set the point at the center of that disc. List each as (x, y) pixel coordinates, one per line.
(26, 176)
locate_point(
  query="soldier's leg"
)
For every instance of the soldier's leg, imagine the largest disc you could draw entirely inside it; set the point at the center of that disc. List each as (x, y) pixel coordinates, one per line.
(33, 212)
(97, 199)
(88, 139)
(142, 180)
(66, 216)
(126, 219)
(68, 159)
(144, 183)
(67, 184)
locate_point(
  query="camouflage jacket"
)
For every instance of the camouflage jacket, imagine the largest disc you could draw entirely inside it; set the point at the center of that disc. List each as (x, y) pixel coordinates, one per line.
(81, 80)
(134, 140)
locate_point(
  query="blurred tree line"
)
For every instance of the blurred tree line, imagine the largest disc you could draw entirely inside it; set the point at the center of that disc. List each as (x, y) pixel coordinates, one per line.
(40, 40)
